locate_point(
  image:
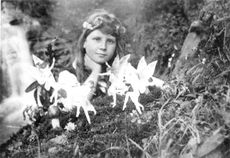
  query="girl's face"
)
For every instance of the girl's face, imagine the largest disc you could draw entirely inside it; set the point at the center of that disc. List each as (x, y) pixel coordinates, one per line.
(100, 47)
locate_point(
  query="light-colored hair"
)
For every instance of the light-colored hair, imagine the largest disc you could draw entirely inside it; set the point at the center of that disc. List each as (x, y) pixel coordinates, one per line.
(108, 24)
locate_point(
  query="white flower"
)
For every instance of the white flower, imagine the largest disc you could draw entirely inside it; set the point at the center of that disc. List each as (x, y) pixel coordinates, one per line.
(70, 126)
(87, 25)
(203, 60)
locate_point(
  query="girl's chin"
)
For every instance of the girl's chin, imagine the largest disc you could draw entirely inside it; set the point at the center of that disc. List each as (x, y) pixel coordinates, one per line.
(101, 61)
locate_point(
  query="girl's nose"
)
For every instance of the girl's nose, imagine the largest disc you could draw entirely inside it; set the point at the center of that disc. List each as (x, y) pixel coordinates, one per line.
(103, 45)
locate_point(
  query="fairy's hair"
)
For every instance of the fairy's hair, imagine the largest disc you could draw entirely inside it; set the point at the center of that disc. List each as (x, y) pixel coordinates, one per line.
(107, 23)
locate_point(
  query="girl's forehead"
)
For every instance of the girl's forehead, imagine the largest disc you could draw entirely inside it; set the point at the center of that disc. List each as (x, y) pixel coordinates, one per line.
(99, 32)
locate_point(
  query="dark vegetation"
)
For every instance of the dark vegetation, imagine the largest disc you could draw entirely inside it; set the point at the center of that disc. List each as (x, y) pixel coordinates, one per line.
(190, 118)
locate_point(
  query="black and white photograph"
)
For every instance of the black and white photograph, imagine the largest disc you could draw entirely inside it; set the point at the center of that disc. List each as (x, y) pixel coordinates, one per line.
(115, 79)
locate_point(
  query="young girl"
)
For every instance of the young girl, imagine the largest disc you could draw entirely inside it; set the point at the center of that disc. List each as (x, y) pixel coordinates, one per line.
(102, 39)
(100, 42)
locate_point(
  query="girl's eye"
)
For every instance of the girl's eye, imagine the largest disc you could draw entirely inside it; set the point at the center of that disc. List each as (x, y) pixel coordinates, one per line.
(97, 38)
(111, 41)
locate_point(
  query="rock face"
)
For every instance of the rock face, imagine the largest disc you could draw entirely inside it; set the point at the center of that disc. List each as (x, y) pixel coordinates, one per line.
(198, 32)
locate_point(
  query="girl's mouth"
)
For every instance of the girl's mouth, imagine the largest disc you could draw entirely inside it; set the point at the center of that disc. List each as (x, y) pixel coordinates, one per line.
(101, 54)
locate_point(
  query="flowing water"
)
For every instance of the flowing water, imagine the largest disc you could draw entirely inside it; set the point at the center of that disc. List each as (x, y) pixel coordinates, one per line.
(15, 57)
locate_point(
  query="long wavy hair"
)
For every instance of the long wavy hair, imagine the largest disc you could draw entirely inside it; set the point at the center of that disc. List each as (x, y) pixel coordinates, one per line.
(108, 24)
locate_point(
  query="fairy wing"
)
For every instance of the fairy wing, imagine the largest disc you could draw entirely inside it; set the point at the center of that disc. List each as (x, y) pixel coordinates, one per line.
(150, 71)
(119, 64)
(67, 78)
(49, 81)
(42, 72)
(146, 71)
(146, 74)
(36, 74)
(67, 83)
(131, 75)
(118, 67)
(115, 62)
(156, 82)
(34, 71)
(123, 63)
(142, 65)
(38, 62)
(134, 78)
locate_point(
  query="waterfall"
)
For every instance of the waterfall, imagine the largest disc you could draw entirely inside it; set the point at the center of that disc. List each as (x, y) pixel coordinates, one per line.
(15, 55)
(14, 59)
